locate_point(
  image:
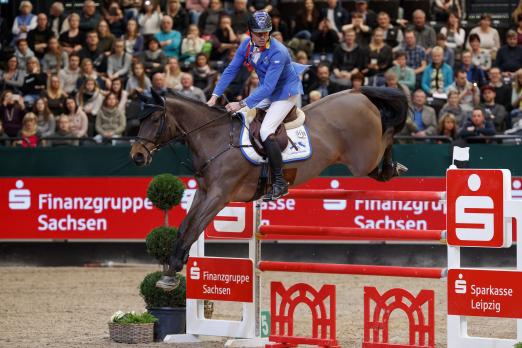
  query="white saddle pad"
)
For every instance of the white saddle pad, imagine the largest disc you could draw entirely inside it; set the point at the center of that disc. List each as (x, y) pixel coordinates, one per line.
(298, 135)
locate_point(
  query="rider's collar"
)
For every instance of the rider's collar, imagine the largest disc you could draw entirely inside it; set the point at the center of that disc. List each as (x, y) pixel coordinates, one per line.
(267, 46)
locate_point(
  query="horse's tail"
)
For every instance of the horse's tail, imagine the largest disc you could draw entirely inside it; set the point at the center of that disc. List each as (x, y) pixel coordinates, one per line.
(392, 103)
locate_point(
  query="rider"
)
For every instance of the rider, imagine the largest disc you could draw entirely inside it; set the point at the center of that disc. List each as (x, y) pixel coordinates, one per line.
(278, 90)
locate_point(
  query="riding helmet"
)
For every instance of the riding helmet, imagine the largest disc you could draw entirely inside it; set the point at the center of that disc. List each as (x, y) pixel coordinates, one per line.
(260, 22)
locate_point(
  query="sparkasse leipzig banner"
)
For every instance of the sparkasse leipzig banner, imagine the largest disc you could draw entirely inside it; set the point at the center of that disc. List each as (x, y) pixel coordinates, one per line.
(116, 208)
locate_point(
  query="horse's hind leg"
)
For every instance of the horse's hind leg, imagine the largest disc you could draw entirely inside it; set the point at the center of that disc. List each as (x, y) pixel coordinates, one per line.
(388, 169)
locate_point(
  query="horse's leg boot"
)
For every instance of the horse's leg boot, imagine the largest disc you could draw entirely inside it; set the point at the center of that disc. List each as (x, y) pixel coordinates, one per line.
(275, 159)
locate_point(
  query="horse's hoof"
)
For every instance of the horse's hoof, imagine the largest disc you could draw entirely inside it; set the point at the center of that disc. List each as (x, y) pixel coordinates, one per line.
(168, 283)
(400, 169)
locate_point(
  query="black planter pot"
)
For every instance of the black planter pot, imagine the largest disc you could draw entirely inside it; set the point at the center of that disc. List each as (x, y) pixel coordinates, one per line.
(170, 321)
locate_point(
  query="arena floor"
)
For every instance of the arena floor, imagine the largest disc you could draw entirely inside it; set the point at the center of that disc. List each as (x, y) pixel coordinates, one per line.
(70, 307)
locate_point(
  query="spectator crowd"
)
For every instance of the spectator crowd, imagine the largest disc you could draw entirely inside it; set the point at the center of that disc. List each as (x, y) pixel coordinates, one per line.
(73, 74)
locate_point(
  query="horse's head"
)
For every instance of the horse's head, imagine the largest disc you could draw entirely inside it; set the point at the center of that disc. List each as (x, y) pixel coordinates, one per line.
(155, 130)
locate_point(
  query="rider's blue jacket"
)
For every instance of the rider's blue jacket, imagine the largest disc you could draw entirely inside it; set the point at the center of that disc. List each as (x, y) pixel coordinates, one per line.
(278, 75)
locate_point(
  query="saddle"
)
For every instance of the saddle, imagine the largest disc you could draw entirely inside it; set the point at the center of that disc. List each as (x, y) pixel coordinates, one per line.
(294, 119)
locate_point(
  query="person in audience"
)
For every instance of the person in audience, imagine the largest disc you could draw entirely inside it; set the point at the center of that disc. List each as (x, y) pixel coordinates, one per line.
(139, 82)
(325, 41)
(35, 82)
(119, 62)
(153, 58)
(23, 53)
(314, 96)
(391, 81)
(443, 8)
(424, 116)
(24, 22)
(90, 100)
(110, 121)
(55, 58)
(195, 8)
(362, 31)
(4, 138)
(70, 75)
(54, 94)
(493, 112)
(88, 71)
(149, 19)
(381, 58)
(250, 85)
(479, 56)
(392, 35)
(473, 73)
(115, 19)
(94, 53)
(502, 89)
(225, 39)
(448, 126)
(278, 24)
(357, 80)
(516, 99)
(424, 34)
(173, 74)
(169, 39)
(11, 113)
(307, 21)
(209, 20)
(453, 107)
(159, 85)
(63, 130)
(39, 36)
(509, 56)
(324, 83)
(449, 54)
(57, 19)
(188, 89)
(489, 38)
(469, 95)
(239, 15)
(179, 16)
(73, 39)
(106, 38)
(77, 117)
(29, 132)
(454, 33)
(519, 29)
(12, 78)
(89, 17)
(192, 44)
(133, 39)
(348, 59)
(204, 77)
(415, 54)
(437, 76)
(369, 17)
(336, 14)
(121, 94)
(477, 126)
(45, 118)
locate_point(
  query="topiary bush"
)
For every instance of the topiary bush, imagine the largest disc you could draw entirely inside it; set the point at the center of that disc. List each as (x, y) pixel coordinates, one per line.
(165, 191)
(159, 243)
(156, 297)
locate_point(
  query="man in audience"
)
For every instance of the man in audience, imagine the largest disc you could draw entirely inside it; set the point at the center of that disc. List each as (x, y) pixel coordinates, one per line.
(473, 73)
(502, 90)
(336, 14)
(509, 56)
(424, 34)
(469, 95)
(93, 52)
(493, 112)
(477, 126)
(69, 76)
(369, 17)
(392, 35)
(239, 16)
(189, 90)
(391, 81)
(89, 17)
(348, 59)
(415, 54)
(159, 85)
(323, 84)
(424, 116)
(63, 130)
(39, 36)
(404, 73)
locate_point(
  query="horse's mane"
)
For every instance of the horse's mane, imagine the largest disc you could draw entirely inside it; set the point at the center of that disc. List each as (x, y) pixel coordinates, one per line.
(194, 101)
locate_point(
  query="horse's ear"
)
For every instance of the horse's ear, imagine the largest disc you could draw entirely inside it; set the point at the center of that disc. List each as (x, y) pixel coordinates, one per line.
(158, 100)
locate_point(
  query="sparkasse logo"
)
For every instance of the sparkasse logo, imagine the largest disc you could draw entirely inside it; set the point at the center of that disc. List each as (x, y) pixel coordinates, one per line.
(19, 198)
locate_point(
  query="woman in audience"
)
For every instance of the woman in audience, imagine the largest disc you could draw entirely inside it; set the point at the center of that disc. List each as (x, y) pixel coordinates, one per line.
(24, 22)
(29, 132)
(209, 19)
(55, 95)
(88, 72)
(516, 98)
(121, 94)
(12, 78)
(443, 8)
(90, 101)
(119, 62)
(149, 18)
(173, 74)
(179, 15)
(35, 82)
(307, 20)
(480, 57)
(105, 36)
(381, 58)
(139, 82)
(250, 85)
(453, 107)
(192, 44)
(454, 33)
(110, 121)
(77, 118)
(73, 39)
(448, 126)
(11, 113)
(132, 38)
(204, 76)
(55, 58)
(224, 39)
(63, 130)
(519, 28)
(153, 58)
(115, 19)
(45, 118)
(489, 38)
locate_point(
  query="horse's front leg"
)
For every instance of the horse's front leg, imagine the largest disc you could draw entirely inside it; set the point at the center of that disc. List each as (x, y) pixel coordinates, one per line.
(190, 229)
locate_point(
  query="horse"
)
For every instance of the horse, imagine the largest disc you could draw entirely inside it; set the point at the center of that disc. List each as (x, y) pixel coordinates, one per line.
(352, 128)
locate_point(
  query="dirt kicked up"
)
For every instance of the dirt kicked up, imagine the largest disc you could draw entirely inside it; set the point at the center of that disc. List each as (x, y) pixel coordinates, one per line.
(70, 307)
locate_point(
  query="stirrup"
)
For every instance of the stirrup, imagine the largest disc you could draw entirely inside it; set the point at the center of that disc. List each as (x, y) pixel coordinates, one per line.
(270, 195)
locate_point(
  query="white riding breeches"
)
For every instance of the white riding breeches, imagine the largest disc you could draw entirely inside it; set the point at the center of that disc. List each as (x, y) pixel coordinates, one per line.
(275, 114)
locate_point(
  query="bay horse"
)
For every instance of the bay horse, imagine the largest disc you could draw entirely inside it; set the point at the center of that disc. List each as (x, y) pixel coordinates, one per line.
(352, 128)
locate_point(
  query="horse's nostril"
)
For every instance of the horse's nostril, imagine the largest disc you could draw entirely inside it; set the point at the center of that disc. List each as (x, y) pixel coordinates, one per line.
(139, 158)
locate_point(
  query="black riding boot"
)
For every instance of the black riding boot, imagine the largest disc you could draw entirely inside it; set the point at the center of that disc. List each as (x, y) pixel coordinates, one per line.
(275, 160)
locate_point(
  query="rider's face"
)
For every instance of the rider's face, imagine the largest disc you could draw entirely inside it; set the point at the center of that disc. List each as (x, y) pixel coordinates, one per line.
(260, 39)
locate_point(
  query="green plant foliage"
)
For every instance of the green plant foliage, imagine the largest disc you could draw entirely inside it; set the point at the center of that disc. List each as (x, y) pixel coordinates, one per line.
(159, 242)
(156, 297)
(165, 191)
(135, 318)
(518, 345)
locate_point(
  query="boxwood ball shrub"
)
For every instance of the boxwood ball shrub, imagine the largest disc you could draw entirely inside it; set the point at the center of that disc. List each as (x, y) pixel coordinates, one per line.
(156, 297)
(159, 242)
(165, 191)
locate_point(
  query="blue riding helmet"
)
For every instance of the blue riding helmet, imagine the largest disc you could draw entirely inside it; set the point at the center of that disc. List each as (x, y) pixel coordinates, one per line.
(260, 22)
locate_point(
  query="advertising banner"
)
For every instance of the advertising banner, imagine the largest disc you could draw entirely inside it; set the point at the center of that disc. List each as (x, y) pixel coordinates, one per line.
(116, 208)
